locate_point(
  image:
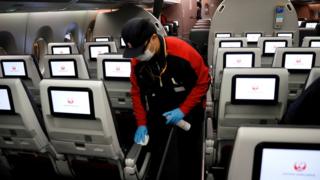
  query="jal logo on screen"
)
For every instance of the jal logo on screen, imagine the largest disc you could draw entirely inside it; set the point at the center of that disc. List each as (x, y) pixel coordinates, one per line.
(300, 166)
(70, 101)
(13, 69)
(239, 61)
(63, 68)
(298, 61)
(255, 88)
(118, 68)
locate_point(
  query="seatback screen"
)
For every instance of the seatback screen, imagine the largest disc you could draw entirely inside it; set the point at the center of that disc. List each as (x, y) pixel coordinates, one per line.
(223, 35)
(253, 37)
(238, 59)
(102, 39)
(298, 62)
(61, 49)
(71, 102)
(117, 69)
(269, 47)
(231, 44)
(311, 25)
(284, 34)
(95, 50)
(63, 68)
(122, 43)
(293, 161)
(6, 102)
(314, 43)
(14, 68)
(255, 89)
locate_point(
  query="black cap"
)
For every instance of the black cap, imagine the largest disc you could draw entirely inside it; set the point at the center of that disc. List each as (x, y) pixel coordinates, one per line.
(135, 33)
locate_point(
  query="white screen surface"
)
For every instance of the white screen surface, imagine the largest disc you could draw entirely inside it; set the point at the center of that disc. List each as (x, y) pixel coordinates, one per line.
(253, 37)
(63, 68)
(315, 44)
(96, 50)
(102, 39)
(298, 61)
(239, 60)
(230, 44)
(14, 68)
(74, 102)
(223, 35)
(299, 23)
(166, 28)
(270, 47)
(290, 164)
(255, 88)
(284, 35)
(61, 50)
(117, 69)
(122, 43)
(311, 25)
(4, 100)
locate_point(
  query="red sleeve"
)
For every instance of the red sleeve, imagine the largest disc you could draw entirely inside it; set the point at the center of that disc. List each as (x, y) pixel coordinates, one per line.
(183, 50)
(138, 108)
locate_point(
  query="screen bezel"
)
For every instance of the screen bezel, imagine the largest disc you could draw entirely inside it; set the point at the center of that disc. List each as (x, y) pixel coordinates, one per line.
(91, 116)
(61, 46)
(12, 111)
(264, 46)
(311, 41)
(285, 33)
(14, 76)
(240, 53)
(97, 45)
(230, 41)
(258, 152)
(251, 101)
(60, 60)
(114, 78)
(216, 35)
(298, 70)
(253, 42)
(103, 37)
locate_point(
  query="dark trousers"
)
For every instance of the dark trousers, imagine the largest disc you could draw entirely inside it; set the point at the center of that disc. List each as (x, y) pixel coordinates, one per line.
(183, 159)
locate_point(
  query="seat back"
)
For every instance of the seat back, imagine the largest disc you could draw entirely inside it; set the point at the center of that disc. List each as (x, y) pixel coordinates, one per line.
(258, 148)
(57, 48)
(268, 46)
(311, 41)
(229, 42)
(251, 96)
(313, 75)
(115, 71)
(91, 51)
(20, 119)
(65, 66)
(234, 58)
(79, 119)
(299, 62)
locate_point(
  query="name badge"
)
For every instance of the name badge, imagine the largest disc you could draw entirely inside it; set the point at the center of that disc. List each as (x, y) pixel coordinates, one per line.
(179, 89)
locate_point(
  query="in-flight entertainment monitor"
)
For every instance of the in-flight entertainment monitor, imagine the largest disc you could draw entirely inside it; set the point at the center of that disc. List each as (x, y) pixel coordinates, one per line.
(223, 35)
(6, 101)
(14, 68)
(255, 89)
(61, 50)
(63, 68)
(95, 50)
(230, 44)
(298, 62)
(116, 69)
(314, 43)
(285, 34)
(71, 102)
(238, 59)
(102, 39)
(122, 43)
(270, 46)
(311, 25)
(253, 37)
(299, 161)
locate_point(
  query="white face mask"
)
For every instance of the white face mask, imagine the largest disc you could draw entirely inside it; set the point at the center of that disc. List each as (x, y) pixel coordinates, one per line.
(146, 56)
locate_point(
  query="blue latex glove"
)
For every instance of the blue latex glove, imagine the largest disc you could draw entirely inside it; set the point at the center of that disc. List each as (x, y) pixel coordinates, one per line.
(140, 134)
(174, 116)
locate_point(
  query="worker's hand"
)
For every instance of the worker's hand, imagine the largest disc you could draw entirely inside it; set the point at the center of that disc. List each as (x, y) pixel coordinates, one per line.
(174, 116)
(141, 132)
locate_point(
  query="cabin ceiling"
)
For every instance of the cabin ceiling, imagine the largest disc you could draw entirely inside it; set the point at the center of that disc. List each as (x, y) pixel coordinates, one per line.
(305, 1)
(10, 6)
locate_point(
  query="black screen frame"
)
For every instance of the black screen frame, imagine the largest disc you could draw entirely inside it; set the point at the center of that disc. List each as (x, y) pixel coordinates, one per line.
(241, 53)
(114, 78)
(311, 41)
(61, 46)
(258, 153)
(12, 111)
(216, 35)
(97, 45)
(252, 101)
(264, 46)
(298, 70)
(231, 41)
(14, 76)
(60, 60)
(252, 42)
(91, 116)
